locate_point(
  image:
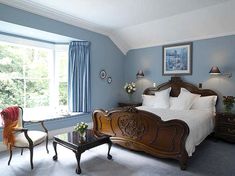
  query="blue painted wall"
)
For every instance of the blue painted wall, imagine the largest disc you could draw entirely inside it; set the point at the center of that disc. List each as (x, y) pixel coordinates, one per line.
(206, 53)
(104, 55)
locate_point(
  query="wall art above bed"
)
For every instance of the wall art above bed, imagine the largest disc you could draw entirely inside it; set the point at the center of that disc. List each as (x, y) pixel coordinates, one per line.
(177, 59)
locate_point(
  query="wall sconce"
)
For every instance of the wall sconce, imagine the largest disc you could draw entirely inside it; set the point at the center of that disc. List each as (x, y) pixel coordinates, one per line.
(140, 74)
(215, 71)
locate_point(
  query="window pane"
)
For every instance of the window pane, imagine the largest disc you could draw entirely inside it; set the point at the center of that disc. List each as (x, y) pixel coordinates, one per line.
(37, 93)
(11, 93)
(63, 93)
(63, 77)
(37, 63)
(11, 61)
(63, 66)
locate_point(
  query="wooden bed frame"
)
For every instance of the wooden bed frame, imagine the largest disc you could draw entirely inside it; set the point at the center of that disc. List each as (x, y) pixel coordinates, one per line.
(144, 131)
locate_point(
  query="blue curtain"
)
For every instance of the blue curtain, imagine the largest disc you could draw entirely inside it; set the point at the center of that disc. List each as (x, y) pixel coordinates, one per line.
(79, 86)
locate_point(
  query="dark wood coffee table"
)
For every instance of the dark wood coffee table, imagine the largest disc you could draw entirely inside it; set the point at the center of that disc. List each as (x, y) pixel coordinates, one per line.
(73, 142)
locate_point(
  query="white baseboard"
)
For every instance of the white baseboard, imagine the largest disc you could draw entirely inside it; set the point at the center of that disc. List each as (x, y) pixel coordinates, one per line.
(50, 134)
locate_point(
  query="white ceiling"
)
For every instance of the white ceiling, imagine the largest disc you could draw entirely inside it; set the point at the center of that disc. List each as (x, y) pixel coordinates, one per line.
(135, 24)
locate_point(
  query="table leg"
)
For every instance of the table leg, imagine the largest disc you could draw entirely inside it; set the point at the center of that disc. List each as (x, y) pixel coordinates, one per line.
(110, 145)
(55, 156)
(78, 157)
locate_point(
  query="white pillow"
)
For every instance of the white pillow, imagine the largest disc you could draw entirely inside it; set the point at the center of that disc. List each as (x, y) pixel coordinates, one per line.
(205, 103)
(173, 100)
(162, 99)
(184, 90)
(148, 100)
(184, 100)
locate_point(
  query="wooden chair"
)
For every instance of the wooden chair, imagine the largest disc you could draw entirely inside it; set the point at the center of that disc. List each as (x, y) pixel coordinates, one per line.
(25, 138)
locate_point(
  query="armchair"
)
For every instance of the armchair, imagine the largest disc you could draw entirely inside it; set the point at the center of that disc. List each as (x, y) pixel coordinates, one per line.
(16, 136)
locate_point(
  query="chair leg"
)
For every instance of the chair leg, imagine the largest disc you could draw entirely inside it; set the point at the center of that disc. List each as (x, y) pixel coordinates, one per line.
(31, 156)
(10, 157)
(22, 150)
(47, 144)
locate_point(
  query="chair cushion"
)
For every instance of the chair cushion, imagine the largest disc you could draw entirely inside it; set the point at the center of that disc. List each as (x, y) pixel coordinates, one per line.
(36, 136)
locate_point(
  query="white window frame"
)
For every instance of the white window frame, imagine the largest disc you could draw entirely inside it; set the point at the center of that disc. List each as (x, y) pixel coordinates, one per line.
(54, 84)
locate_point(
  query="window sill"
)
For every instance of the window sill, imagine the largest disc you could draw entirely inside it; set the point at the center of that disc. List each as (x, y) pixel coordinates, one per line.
(60, 116)
(57, 117)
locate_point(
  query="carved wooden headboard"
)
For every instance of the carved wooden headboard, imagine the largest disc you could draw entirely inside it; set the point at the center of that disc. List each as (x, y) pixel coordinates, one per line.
(176, 84)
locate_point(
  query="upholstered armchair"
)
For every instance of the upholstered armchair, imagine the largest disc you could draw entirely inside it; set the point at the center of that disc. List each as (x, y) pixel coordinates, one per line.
(16, 136)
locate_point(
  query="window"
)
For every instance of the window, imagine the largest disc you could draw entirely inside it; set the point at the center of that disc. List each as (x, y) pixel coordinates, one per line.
(33, 75)
(62, 58)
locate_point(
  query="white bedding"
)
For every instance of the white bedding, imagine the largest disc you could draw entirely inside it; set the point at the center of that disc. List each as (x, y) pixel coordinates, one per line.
(200, 123)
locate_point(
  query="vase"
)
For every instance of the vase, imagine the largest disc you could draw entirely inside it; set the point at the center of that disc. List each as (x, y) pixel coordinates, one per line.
(82, 135)
(129, 98)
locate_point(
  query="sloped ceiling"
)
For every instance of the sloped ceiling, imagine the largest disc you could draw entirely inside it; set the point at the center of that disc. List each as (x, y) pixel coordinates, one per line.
(133, 24)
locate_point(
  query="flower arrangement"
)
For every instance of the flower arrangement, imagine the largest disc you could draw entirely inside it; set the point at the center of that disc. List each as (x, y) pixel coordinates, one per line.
(81, 127)
(228, 102)
(130, 88)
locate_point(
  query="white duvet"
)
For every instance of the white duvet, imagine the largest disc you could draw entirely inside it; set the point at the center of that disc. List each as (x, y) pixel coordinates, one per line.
(200, 123)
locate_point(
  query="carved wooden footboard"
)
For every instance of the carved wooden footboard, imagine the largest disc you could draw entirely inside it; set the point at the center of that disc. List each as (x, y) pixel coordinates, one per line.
(143, 131)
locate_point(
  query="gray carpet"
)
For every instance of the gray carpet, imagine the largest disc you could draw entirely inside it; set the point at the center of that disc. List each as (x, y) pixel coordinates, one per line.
(211, 158)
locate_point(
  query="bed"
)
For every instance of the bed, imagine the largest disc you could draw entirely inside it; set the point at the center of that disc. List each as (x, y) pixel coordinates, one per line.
(161, 132)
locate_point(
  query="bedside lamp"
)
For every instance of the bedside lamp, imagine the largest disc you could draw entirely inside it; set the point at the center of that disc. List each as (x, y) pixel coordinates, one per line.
(140, 74)
(215, 71)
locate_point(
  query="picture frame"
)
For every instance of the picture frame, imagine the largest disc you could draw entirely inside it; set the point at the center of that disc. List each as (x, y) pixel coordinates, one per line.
(103, 74)
(177, 59)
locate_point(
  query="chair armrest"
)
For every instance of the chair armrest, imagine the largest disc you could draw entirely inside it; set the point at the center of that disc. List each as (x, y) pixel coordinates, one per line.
(25, 130)
(17, 129)
(39, 121)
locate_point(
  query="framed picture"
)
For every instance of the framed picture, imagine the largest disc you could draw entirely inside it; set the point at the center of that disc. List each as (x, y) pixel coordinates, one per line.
(177, 59)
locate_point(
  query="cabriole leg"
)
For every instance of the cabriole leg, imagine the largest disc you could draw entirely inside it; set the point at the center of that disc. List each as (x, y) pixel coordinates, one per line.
(110, 145)
(78, 157)
(9, 161)
(47, 144)
(183, 162)
(31, 157)
(55, 156)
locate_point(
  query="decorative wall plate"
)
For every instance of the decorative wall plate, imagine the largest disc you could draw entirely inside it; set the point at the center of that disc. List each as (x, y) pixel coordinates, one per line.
(103, 74)
(109, 79)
